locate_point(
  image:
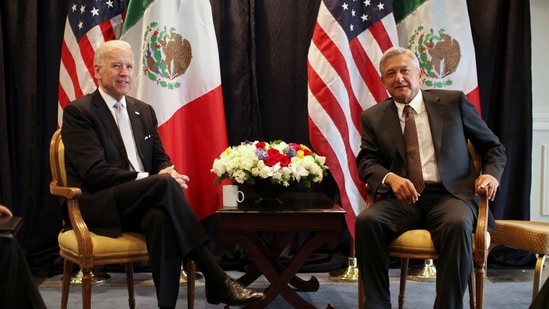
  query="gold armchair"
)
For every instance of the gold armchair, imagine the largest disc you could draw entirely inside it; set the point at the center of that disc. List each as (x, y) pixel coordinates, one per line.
(87, 249)
(417, 244)
(530, 236)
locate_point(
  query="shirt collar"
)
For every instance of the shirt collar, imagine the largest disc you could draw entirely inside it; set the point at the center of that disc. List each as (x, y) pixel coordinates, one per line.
(109, 100)
(416, 103)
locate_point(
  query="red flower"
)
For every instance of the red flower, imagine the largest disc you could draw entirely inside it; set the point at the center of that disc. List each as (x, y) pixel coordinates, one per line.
(295, 146)
(284, 161)
(274, 156)
(260, 145)
(270, 161)
(273, 152)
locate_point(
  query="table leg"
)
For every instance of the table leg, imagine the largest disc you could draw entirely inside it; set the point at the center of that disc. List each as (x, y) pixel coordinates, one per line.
(301, 256)
(280, 276)
(279, 283)
(270, 252)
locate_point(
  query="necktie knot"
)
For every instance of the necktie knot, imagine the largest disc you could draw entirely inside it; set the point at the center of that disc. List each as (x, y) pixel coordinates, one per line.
(408, 112)
(118, 109)
(118, 106)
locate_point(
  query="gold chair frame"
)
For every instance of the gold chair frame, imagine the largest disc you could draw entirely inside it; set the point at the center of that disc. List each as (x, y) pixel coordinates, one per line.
(87, 249)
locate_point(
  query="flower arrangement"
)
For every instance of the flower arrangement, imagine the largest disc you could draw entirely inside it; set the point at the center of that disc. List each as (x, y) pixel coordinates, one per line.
(276, 162)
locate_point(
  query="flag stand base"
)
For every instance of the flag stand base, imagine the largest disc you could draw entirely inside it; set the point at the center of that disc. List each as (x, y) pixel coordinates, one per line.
(348, 274)
(184, 279)
(427, 273)
(96, 278)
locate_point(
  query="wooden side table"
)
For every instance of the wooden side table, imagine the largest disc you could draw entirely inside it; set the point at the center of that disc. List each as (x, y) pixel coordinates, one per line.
(309, 213)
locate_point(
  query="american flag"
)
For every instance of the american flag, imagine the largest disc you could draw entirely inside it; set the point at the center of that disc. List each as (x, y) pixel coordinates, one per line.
(348, 41)
(89, 23)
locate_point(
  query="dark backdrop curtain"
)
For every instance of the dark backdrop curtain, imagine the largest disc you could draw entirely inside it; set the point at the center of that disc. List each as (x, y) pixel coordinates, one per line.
(263, 51)
(31, 33)
(502, 38)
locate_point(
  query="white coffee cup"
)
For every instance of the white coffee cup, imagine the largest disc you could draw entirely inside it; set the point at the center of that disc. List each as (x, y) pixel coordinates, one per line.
(232, 196)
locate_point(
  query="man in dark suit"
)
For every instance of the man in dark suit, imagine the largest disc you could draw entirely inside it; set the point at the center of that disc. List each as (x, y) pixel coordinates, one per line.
(130, 184)
(17, 286)
(443, 200)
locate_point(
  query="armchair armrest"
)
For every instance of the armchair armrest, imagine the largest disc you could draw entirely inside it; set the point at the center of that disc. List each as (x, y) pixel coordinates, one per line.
(481, 240)
(370, 197)
(72, 194)
(66, 192)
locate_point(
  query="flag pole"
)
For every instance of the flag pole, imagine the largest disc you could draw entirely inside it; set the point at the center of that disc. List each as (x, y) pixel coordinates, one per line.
(427, 273)
(348, 274)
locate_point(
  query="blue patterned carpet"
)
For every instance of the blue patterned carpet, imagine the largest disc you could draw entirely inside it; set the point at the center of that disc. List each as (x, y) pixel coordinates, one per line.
(504, 289)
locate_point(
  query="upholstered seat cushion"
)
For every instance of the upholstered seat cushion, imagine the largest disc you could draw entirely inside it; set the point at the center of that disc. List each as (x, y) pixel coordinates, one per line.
(531, 236)
(419, 241)
(414, 240)
(127, 244)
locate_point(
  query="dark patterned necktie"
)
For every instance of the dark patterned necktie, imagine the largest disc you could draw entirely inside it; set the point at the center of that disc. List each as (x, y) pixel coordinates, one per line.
(415, 173)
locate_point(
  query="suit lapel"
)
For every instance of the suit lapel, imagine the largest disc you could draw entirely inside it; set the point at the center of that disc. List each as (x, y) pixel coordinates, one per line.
(391, 119)
(435, 112)
(105, 115)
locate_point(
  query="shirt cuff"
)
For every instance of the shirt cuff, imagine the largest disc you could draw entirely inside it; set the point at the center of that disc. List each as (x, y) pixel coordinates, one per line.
(142, 175)
(383, 181)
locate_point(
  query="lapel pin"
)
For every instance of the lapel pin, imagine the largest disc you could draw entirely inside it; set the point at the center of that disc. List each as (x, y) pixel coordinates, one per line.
(136, 112)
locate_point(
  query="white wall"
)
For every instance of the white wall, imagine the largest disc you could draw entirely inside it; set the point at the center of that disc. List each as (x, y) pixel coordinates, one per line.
(539, 208)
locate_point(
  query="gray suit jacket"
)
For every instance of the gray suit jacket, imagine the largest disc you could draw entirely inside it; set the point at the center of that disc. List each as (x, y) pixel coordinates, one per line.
(453, 120)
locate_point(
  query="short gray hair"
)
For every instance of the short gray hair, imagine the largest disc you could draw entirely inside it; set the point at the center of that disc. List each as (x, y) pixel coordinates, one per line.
(395, 51)
(108, 46)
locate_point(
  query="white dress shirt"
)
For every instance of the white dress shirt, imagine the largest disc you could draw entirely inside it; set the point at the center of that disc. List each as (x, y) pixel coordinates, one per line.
(425, 139)
(110, 101)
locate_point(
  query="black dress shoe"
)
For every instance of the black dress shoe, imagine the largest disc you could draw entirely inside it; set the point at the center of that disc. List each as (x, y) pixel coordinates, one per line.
(231, 292)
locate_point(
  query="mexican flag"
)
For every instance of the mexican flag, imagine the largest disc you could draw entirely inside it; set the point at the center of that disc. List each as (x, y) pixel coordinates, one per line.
(439, 32)
(177, 72)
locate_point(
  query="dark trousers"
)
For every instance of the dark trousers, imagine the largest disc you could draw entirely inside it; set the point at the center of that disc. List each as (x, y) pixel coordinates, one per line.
(157, 207)
(450, 221)
(17, 287)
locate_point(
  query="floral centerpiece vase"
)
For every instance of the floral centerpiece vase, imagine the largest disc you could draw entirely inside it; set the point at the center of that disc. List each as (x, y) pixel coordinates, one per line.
(269, 194)
(270, 169)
